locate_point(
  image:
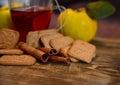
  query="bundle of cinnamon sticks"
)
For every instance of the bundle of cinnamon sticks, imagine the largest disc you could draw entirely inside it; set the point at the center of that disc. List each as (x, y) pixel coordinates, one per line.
(43, 54)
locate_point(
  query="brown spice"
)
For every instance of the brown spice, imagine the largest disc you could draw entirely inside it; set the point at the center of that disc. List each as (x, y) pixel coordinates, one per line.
(49, 51)
(58, 59)
(33, 51)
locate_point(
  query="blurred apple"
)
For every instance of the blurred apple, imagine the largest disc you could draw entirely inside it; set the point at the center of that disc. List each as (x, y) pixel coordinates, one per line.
(5, 19)
(77, 24)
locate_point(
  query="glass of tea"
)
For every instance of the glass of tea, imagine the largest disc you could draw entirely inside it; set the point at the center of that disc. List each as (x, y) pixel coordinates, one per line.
(30, 15)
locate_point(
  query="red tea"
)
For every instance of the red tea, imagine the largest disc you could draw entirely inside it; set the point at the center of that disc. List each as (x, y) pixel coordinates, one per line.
(30, 19)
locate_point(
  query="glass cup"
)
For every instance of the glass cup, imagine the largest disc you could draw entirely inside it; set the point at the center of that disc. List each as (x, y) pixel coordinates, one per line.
(30, 15)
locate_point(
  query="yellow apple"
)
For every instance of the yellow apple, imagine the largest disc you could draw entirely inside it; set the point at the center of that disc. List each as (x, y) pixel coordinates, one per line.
(5, 19)
(77, 24)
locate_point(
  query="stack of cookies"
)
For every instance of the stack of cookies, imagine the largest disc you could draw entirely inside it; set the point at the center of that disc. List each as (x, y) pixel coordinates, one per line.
(9, 53)
(44, 45)
(75, 50)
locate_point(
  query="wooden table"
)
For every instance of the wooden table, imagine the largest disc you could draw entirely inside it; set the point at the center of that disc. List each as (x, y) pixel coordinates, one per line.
(104, 69)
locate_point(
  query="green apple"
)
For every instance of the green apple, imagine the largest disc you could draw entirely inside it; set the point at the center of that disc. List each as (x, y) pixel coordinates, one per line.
(5, 19)
(77, 24)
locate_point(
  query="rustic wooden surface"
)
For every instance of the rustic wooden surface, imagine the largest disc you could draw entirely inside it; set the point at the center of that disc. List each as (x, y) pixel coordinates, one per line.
(104, 69)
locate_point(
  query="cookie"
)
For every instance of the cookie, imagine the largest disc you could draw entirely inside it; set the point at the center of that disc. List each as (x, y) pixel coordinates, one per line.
(33, 37)
(8, 38)
(73, 60)
(82, 50)
(11, 51)
(64, 52)
(45, 39)
(60, 42)
(17, 60)
(48, 31)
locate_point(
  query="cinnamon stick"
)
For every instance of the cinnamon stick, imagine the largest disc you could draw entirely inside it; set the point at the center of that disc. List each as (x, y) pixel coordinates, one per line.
(49, 51)
(33, 51)
(58, 59)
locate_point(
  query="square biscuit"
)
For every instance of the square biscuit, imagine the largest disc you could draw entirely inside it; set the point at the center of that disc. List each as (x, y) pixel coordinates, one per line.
(64, 52)
(60, 42)
(45, 39)
(34, 36)
(82, 50)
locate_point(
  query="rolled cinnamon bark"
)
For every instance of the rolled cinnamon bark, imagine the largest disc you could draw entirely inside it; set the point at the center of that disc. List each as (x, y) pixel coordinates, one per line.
(49, 51)
(33, 51)
(58, 59)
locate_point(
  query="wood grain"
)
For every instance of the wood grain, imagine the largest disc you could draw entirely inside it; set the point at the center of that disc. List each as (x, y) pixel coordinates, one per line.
(106, 72)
